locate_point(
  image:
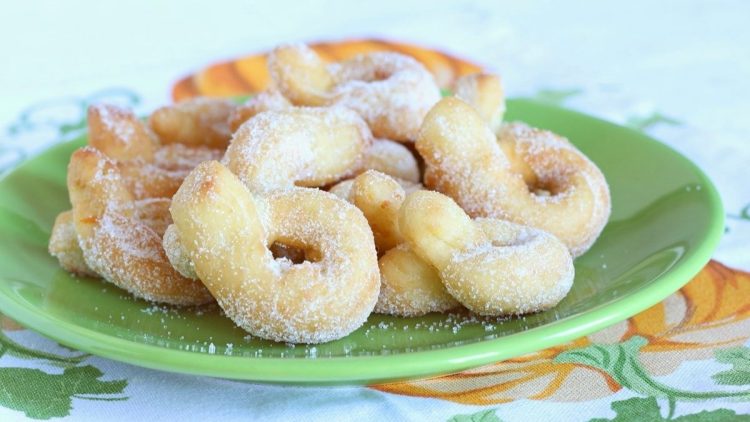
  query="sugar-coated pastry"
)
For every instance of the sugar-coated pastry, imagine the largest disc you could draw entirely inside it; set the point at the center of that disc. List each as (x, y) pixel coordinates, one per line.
(201, 121)
(493, 267)
(116, 241)
(227, 237)
(409, 285)
(302, 146)
(567, 197)
(391, 91)
(484, 92)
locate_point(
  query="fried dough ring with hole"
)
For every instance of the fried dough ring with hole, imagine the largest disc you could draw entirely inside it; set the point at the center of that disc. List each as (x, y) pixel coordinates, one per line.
(200, 121)
(484, 92)
(276, 149)
(391, 91)
(227, 239)
(493, 267)
(304, 146)
(409, 285)
(463, 160)
(115, 240)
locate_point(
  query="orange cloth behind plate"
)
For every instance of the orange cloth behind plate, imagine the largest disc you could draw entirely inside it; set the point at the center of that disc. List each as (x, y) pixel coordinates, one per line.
(249, 74)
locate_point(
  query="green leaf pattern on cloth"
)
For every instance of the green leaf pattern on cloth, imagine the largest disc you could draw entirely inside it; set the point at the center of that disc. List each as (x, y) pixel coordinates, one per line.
(18, 350)
(42, 396)
(739, 358)
(652, 119)
(481, 416)
(647, 409)
(620, 361)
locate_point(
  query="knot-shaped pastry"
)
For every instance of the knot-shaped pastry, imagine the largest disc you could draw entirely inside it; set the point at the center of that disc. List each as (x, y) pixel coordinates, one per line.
(150, 168)
(297, 147)
(532, 177)
(410, 286)
(119, 237)
(201, 121)
(492, 267)
(227, 232)
(150, 171)
(384, 155)
(484, 92)
(391, 91)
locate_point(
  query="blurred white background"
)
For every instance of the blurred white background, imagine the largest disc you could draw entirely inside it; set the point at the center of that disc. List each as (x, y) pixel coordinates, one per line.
(684, 53)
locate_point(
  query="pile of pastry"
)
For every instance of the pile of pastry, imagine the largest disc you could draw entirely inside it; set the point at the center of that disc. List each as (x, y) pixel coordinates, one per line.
(345, 189)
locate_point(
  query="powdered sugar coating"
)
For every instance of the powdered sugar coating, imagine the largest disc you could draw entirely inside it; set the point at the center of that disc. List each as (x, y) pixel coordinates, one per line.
(485, 93)
(201, 121)
(177, 254)
(520, 270)
(300, 75)
(176, 157)
(409, 285)
(391, 91)
(116, 241)
(227, 239)
(393, 159)
(570, 198)
(492, 267)
(63, 245)
(118, 133)
(263, 101)
(303, 146)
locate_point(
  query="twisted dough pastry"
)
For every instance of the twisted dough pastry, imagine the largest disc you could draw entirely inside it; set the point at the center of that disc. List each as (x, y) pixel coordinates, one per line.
(492, 267)
(148, 170)
(198, 122)
(484, 92)
(280, 149)
(391, 91)
(541, 181)
(304, 147)
(383, 155)
(63, 245)
(116, 240)
(226, 232)
(409, 285)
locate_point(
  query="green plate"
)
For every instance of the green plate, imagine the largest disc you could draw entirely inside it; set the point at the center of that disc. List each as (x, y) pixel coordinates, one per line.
(666, 221)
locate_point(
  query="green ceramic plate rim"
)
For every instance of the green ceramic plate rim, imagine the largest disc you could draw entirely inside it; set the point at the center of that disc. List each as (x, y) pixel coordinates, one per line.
(385, 368)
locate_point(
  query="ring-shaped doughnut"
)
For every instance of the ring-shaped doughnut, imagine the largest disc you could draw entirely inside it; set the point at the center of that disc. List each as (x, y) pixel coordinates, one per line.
(384, 155)
(227, 237)
(570, 198)
(391, 91)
